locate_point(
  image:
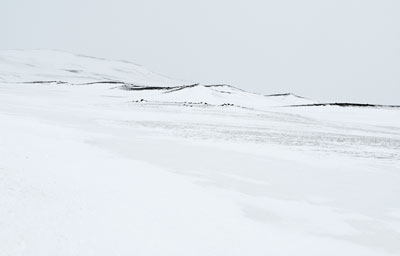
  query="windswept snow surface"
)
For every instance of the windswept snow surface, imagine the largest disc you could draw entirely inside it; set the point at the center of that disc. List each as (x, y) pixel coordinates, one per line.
(94, 170)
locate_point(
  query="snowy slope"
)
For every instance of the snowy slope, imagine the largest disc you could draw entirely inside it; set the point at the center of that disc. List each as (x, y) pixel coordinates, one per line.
(49, 66)
(93, 170)
(218, 95)
(52, 65)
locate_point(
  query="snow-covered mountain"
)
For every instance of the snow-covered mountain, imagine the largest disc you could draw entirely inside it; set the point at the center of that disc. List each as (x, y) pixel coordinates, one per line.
(64, 67)
(101, 157)
(56, 67)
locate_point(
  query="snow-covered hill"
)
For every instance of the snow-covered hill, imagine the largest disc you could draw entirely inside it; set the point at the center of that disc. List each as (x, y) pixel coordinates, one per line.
(62, 67)
(56, 67)
(102, 157)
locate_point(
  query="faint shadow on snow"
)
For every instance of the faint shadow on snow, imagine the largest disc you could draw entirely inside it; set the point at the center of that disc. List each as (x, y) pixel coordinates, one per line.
(371, 233)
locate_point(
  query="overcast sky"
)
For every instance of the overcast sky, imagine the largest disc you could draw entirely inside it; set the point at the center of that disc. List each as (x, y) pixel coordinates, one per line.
(343, 50)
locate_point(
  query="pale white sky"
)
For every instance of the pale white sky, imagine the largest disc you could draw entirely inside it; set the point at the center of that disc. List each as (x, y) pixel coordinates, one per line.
(343, 50)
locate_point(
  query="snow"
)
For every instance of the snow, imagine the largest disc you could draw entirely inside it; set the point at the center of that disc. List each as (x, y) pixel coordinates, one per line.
(92, 170)
(52, 65)
(218, 95)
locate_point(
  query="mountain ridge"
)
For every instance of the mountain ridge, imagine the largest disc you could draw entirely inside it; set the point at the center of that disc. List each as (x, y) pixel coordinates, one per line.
(40, 66)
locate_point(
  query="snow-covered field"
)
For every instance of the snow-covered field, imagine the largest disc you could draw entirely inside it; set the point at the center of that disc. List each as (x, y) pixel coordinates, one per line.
(93, 163)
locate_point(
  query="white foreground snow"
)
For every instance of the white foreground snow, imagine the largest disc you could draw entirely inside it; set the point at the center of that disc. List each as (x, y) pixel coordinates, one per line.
(87, 170)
